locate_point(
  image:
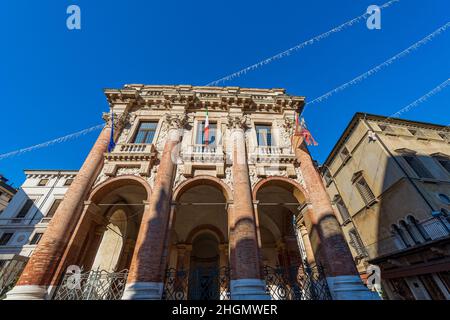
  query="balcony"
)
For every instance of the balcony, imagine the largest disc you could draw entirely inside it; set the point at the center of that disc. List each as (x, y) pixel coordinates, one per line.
(204, 154)
(272, 154)
(132, 152)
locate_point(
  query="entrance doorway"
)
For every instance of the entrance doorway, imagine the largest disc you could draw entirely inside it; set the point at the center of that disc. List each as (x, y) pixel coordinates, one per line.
(204, 267)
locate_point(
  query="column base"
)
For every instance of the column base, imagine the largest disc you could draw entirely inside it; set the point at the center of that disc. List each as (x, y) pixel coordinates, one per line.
(249, 289)
(350, 288)
(28, 292)
(143, 291)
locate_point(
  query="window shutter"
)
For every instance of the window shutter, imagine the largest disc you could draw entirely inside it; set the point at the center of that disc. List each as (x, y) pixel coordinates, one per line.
(365, 191)
(355, 242)
(418, 167)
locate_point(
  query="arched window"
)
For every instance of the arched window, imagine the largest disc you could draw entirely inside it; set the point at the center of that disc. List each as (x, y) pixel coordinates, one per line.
(444, 198)
(417, 229)
(412, 238)
(400, 235)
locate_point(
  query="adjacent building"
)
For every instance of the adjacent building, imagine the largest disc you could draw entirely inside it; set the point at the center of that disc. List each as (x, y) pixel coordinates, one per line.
(208, 193)
(26, 218)
(6, 193)
(389, 181)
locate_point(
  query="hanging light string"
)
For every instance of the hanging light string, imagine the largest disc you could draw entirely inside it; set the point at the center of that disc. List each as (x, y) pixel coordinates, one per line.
(423, 98)
(51, 142)
(298, 47)
(381, 66)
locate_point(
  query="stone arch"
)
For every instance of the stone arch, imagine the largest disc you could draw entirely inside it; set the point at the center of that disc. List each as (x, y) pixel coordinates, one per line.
(208, 228)
(203, 180)
(300, 194)
(113, 183)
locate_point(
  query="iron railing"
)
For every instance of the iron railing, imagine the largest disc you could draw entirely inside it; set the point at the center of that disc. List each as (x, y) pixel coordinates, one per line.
(197, 284)
(92, 285)
(9, 274)
(296, 283)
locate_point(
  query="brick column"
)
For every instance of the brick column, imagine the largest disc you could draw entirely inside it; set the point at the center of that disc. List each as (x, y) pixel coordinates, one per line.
(145, 279)
(35, 281)
(246, 280)
(326, 236)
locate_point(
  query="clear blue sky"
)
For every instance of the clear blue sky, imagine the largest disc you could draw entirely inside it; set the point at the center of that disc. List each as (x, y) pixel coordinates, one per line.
(52, 78)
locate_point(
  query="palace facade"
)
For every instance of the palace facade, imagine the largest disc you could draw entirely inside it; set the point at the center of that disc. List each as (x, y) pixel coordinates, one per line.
(174, 213)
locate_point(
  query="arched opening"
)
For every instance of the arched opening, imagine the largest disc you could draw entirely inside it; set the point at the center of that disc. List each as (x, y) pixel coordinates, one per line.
(198, 254)
(278, 209)
(114, 221)
(204, 263)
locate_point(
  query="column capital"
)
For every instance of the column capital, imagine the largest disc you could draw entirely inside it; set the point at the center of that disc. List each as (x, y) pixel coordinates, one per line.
(237, 122)
(120, 120)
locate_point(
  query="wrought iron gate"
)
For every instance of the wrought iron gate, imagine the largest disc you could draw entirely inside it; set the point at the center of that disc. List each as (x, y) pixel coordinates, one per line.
(296, 283)
(92, 285)
(200, 283)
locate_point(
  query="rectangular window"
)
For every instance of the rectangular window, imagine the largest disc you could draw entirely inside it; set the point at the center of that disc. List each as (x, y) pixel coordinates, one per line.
(146, 132)
(68, 182)
(53, 208)
(212, 133)
(364, 190)
(23, 212)
(356, 243)
(386, 128)
(445, 163)
(328, 178)
(344, 154)
(42, 182)
(417, 133)
(36, 238)
(264, 135)
(418, 167)
(342, 208)
(4, 239)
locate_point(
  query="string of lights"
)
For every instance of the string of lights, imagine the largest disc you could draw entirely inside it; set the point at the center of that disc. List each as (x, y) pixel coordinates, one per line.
(298, 47)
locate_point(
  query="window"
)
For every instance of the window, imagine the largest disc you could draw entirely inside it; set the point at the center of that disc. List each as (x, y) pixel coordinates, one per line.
(417, 133)
(444, 198)
(4, 239)
(444, 162)
(42, 182)
(23, 212)
(264, 135)
(146, 132)
(417, 229)
(36, 238)
(418, 167)
(342, 208)
(212, 132)
(53, 208)
(68, 182)
(356, 243)
(399, 234)
(445, 136)
(364, 190)
(344, 154)
(327, 176)
(386, 128)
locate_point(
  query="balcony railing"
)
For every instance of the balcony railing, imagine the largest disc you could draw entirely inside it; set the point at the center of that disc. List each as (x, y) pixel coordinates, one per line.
(272, 154)
(203, 153)
(132, 151)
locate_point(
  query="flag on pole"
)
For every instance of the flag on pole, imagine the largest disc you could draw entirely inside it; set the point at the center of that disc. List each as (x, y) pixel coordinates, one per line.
(206, 129)
(111, 144)
(302, 130)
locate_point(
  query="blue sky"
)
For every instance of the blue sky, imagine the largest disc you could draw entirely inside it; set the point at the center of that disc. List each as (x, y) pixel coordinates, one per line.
(52, 78)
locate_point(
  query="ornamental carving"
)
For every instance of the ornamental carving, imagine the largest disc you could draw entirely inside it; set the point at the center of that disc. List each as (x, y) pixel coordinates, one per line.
(179, 177)
(134, 171)
(176, 121)
(228, 179)
(152, 177)
(236, 122)
(120, 120)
